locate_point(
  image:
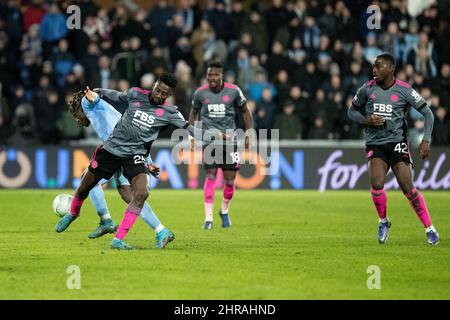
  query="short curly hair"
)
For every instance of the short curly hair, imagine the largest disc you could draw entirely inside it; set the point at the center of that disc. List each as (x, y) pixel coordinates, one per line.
(215, 64)
(75, 104)
(169, 79)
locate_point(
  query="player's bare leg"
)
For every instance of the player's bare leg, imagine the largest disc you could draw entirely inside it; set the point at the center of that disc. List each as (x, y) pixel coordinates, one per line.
(125, 193)
(228, 192)
(377, 169)
(88, 181)
(208, 195)
(403, 173)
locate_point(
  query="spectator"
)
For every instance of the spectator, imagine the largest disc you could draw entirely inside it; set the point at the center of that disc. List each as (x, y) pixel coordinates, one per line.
(301, 109)
(371, 50)
(62, 61)
(318, 130)
(23, 126)
(282, 86)
(313, 45)
(320, 105)
(411, 39)
(47, 111)
(185, 89)
(266, 110)
(30, 70)
(424, 64)
(328, 22)
(220, 21)
(33, 14)
(276, 18)
(276, 60)
(248, 76)
(90, 61)
(5, 117)
(310, 35)
(31, 41)
(156, 64)
(101, 78)
(53, 28)
(7, 62)
(296, 53)
(355, 79)
(425, 43)
(190, 16)
(289, 125)
(257, 87)
(237, 17)
(256, 27)
(12, 15)
(182, 52)
(443, 85)
(308, 79)
(158, 17)
(441, 130)
(147, 81)
(391, 42)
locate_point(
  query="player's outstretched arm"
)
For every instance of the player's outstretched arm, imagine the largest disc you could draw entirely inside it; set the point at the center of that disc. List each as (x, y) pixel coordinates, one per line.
(178, 121)
(424, 147)
(112, 95)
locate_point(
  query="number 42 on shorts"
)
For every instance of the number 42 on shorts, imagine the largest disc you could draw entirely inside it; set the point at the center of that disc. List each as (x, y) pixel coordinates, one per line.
(401, 147)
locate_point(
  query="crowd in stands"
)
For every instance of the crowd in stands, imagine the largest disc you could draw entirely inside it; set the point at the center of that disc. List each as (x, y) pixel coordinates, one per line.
(298, 62)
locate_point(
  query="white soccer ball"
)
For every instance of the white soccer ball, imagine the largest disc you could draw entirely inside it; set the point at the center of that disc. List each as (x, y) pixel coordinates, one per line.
(61, 204)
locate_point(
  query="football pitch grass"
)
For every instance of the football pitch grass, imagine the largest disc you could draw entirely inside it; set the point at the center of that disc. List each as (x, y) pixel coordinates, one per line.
(282, 245)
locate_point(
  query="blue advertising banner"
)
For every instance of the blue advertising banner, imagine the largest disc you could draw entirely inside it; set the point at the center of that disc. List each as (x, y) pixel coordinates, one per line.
(296, 168)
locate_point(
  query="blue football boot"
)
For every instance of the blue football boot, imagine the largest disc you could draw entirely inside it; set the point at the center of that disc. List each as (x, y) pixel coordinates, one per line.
(64, 222)
(226, 223)
(208, 225)
(432, 238)
(383, 232)
(120, 245)
(107, 226)
(163, 238)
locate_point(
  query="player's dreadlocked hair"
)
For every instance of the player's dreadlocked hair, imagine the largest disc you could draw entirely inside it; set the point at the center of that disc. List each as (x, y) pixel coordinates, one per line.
(75, 103)
(168, 79)
(215, 64)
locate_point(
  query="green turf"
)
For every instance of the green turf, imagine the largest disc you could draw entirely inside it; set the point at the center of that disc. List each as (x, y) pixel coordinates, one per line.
(282, 245)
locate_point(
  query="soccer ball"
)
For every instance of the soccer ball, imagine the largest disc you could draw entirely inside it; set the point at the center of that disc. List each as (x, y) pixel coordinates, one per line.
(61, 204)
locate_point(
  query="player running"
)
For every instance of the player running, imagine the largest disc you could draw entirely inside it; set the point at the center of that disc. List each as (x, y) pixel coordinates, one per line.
(215, 103)
(87, 108)
(381, 105)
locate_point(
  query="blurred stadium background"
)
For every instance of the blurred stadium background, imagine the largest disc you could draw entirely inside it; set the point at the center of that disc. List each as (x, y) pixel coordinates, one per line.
(298, 62)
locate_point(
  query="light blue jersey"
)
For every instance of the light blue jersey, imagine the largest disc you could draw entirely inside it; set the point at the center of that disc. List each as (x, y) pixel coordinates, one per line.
(102, 115)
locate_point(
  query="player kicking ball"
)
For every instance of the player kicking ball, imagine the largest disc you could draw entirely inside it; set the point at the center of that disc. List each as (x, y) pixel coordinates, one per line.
(87, 108)
(215, 103)
(381, 105)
